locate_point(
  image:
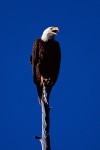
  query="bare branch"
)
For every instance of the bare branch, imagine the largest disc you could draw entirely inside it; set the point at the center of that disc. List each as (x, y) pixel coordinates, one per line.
(45, 140)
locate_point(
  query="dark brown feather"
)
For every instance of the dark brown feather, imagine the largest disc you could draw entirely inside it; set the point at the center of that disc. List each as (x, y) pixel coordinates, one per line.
(46, 57)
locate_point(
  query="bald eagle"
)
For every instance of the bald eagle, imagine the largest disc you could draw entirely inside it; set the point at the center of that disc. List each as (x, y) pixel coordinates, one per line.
(45, 60)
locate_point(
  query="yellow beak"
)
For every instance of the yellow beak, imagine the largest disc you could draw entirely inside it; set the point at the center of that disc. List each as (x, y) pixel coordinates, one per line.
(54, 30)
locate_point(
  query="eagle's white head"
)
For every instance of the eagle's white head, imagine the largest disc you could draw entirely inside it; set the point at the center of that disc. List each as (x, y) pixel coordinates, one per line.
(49, 33)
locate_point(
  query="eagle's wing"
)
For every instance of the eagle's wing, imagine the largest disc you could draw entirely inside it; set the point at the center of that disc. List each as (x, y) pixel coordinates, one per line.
(31, 59)
(34, 56)
(57, 62)
(58, 56)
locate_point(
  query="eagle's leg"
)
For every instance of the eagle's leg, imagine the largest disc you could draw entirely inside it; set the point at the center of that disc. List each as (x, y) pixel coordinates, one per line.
(42, 80)
(45, 80)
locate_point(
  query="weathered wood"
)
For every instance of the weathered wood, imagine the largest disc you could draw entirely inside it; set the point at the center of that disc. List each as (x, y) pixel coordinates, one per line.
(45, 140)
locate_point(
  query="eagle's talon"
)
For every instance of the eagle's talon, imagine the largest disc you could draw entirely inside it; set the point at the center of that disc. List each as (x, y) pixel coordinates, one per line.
(42, 80)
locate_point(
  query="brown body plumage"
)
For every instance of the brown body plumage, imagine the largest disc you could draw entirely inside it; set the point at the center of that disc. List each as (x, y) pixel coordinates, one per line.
(45, 60)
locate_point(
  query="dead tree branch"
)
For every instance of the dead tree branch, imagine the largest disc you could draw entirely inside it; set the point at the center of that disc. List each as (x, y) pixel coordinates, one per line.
(45, 140)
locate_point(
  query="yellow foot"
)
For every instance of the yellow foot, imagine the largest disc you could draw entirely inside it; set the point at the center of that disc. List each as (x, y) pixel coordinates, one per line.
(42, 80)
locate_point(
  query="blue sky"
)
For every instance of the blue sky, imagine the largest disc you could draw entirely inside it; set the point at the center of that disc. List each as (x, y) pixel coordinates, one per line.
(75, 116)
